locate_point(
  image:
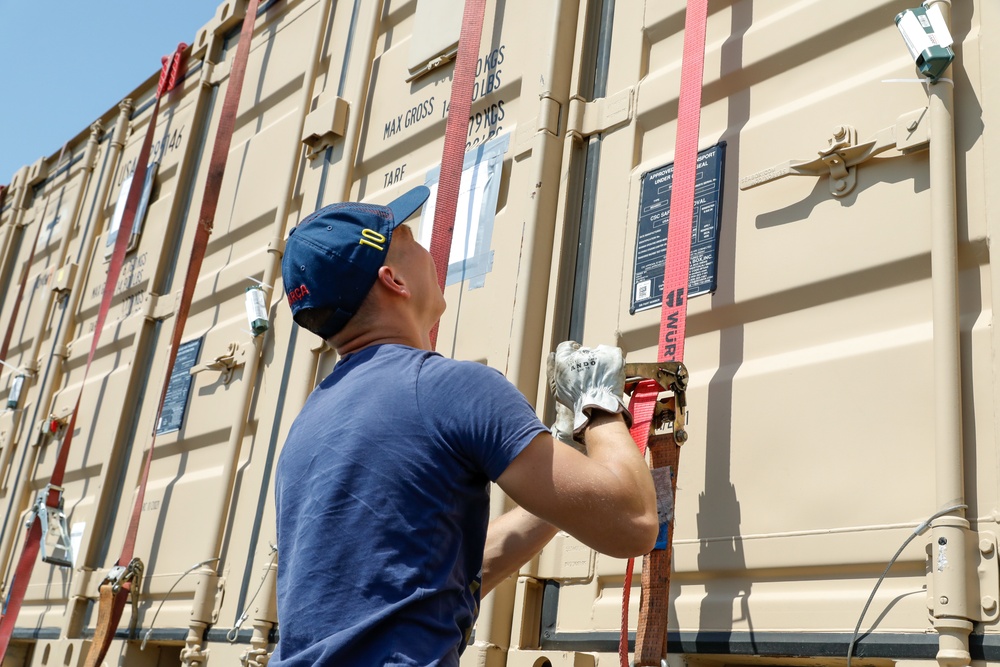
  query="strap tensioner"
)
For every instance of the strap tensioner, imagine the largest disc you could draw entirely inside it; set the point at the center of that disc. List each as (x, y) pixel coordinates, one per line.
(669, 411)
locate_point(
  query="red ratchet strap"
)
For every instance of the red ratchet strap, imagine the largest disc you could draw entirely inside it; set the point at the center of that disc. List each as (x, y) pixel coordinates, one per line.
(455, 133)
(53, 491)
(651, 631)
(114, 595)
(5, 346)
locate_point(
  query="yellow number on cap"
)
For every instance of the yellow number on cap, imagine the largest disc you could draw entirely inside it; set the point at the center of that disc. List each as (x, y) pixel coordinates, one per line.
(372, 238)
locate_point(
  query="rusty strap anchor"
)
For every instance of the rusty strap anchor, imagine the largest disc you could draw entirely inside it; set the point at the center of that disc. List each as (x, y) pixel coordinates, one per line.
(128, 578)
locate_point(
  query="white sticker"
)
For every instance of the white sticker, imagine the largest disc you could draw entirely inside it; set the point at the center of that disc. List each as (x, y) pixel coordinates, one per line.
(471, 195)
(76, 537)
(940, 26)
(914, 35)
(140, 213)
(255, 305)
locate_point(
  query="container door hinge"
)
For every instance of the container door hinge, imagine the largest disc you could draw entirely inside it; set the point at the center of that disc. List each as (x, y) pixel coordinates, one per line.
(208, 594)
(62, 281)
(156, 307)
(37, 172)
(983, 590)
(83, 583)
(840, 159)
(589, 118)
(276, 246)
(547, 121)
(325, 125)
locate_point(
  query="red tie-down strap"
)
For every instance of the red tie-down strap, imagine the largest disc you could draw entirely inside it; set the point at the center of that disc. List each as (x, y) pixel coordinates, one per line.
(115, 594)
(641, 406)
(651, 632)
(455, 134)
(53, 496)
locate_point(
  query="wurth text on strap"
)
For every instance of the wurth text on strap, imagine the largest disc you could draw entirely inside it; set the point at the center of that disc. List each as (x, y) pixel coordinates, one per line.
(664, 450)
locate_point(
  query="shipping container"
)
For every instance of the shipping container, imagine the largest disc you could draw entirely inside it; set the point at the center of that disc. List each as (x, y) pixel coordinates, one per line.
(838, 497)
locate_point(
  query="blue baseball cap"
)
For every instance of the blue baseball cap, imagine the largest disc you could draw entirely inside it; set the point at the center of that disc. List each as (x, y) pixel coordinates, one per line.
(332, 257)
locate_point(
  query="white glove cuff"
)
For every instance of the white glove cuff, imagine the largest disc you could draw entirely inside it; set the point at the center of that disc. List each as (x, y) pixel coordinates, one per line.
(597, 400)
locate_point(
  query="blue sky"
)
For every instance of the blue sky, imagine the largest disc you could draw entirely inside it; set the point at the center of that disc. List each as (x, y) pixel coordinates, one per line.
(63, 63)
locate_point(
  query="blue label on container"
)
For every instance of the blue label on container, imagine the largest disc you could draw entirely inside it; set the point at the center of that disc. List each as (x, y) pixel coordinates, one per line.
(654, 218)
(175, 402)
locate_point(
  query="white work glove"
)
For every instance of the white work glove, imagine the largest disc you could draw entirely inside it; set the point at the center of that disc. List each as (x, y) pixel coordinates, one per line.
(586, 379)
(562, 428)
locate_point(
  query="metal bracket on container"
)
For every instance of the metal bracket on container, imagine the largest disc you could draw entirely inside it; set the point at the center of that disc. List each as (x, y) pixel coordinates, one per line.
(59, 417)
(983, 603)
(156, 307)
(840, 159)
(547, 121)
(64, 278)
(588, 118)
(672, 376)
(324, 125)
(37, 172)
(276, 246)
(234, 357)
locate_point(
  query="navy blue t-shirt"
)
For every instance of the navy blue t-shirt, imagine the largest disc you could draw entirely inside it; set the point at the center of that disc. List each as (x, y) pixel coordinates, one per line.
(382, 493)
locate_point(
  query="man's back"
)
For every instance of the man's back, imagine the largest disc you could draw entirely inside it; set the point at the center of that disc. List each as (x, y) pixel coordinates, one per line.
(383, 501)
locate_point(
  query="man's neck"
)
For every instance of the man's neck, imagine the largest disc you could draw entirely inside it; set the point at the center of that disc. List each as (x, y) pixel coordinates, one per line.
(369, 339)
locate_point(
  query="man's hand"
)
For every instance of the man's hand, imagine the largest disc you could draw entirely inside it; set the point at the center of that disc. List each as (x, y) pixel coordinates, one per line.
(586, 379)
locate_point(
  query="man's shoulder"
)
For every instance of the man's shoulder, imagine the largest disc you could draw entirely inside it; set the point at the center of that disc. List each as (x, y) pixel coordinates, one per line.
(437, 365)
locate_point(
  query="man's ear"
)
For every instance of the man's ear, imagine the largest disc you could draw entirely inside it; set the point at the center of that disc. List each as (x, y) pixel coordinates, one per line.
(391, 280)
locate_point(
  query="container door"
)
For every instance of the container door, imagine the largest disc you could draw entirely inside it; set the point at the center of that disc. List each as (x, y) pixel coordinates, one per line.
(809, 324)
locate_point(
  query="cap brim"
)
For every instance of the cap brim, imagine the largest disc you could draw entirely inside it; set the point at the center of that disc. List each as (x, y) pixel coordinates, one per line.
(407, 204)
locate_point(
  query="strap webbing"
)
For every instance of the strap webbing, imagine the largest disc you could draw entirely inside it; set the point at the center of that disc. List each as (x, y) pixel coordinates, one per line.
(651, 631)
(22, 574)
(5, 346)
(455, 134)
(641, 406)
(112, 604)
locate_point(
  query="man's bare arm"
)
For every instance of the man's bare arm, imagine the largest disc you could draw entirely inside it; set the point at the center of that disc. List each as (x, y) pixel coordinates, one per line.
(605, 499)
(512, 540)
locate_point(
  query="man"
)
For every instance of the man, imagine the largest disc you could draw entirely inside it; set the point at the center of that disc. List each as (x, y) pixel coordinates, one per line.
(382, 488)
